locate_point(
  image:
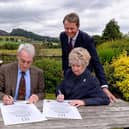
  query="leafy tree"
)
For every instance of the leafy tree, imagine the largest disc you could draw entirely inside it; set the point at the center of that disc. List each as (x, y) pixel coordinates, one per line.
(111, 31)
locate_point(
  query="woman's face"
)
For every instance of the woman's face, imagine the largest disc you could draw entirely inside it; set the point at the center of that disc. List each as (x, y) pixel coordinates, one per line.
(77, 69)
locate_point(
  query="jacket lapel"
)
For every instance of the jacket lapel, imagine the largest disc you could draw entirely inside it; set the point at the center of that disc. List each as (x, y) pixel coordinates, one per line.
(14, 73)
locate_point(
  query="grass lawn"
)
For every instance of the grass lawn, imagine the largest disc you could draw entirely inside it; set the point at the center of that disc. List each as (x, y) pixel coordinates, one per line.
(50, 96)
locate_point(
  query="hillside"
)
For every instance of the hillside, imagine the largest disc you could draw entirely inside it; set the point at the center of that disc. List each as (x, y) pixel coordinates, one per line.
(3, 33)
(28, 34)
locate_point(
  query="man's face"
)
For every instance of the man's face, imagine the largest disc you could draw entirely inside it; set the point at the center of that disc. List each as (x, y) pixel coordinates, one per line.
(70, 28)
(24, 60)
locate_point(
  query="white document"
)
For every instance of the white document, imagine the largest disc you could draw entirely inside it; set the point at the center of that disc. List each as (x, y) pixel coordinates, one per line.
(54, 109)
(0, 105)
(21, 113)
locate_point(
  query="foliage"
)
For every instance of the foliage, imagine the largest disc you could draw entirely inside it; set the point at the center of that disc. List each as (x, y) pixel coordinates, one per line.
(109, 73)
(9, 45)
(107, 54)
(110, 49)
(52, 73)
(121, 73)
(111, 31)
(97, 39)
(50, 96)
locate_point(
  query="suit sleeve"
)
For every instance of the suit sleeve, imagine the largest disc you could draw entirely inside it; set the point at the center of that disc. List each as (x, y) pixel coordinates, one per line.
(41, 86)
(1, 83)
(63, 40)
(95, 62)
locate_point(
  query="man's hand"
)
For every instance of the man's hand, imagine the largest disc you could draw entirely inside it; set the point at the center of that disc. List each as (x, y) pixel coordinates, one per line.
(110, 95)
(33, 98)
(8, 100)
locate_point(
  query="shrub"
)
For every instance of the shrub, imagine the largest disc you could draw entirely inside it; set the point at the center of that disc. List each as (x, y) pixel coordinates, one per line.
(106, 54)
(110, 49)
(52, 72)
(121, 74)
(9, 45)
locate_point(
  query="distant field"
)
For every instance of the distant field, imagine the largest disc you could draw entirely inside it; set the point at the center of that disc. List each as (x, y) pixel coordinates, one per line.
(50, 52)
(5, 51)
(46, 52)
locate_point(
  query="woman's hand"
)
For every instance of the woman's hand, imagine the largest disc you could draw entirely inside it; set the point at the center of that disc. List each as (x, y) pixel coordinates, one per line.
(77, 103)
(60, 98)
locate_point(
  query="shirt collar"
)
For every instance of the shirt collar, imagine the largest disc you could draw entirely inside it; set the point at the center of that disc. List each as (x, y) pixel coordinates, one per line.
(19, 70)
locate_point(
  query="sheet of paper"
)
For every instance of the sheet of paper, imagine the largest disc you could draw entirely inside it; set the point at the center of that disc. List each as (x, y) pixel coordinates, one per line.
(21, 112)
(54, 109)
(0, 105)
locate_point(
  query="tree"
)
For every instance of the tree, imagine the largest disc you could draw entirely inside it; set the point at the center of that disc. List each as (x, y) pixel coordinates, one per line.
(111, 31)
(97, 39)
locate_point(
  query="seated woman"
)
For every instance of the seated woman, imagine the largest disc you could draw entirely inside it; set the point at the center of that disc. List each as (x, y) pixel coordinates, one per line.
(79, 85)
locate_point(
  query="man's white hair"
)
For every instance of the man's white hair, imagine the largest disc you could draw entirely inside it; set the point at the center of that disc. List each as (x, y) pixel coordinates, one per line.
(29, 48)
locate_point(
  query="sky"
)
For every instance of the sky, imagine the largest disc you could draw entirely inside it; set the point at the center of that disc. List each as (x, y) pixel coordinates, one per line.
(45, 17)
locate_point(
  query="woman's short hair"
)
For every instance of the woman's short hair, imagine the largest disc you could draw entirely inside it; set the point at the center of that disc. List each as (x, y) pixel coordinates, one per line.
(79, 56)
(29, 48)
(72, 18)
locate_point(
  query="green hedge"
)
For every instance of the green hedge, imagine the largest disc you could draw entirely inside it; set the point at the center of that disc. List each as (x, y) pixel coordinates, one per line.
(108, 50)
(52, 72)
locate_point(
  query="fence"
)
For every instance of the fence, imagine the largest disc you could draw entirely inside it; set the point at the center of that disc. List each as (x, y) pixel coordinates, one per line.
(7, 58)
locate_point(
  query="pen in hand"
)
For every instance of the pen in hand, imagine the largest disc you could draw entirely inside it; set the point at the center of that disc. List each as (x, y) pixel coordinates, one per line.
(59, 91)
(7, 100)
(60, 96)
(11, 99)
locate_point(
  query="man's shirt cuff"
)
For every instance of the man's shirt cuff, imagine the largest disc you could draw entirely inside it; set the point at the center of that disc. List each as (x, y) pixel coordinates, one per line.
(104, 86)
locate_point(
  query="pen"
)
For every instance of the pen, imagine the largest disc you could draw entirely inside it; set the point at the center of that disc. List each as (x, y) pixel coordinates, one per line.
(59, 92)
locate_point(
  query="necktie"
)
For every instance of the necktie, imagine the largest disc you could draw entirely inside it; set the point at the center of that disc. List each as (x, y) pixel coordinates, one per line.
(22, 86)
(70, 44)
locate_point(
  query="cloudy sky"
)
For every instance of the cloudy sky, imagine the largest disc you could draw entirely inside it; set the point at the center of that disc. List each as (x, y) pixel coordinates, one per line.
(45, 17)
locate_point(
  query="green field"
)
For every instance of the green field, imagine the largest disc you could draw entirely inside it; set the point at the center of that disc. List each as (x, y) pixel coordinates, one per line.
(43, 52)
(51, 52)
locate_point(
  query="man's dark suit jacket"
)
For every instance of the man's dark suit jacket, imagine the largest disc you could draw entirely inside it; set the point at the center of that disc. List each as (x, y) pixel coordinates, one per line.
(85, 41)
(8, 80)
(85, 87)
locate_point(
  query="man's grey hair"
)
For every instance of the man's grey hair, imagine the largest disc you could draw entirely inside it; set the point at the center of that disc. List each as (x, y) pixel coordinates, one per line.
(29, 48)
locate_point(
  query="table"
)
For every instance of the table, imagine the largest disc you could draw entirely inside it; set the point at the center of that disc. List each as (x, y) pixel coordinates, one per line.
(94, 117)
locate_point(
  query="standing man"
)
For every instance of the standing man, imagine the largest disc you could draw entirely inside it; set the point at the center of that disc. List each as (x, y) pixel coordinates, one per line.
(19, 80)
(73, 37)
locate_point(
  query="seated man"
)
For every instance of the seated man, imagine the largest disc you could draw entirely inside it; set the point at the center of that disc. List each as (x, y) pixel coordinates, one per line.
(79, 85)
(21, 81)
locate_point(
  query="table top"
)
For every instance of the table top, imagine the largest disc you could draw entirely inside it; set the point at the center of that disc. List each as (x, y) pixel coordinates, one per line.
(93, 117)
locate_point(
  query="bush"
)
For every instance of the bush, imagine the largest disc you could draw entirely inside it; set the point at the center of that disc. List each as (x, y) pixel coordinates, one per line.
(107, 54)
(108, 50)
(121, 74)
(9, 45)
(52, 73)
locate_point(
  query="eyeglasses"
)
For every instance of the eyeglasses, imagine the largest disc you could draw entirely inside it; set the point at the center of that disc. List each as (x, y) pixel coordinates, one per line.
(24, 61)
